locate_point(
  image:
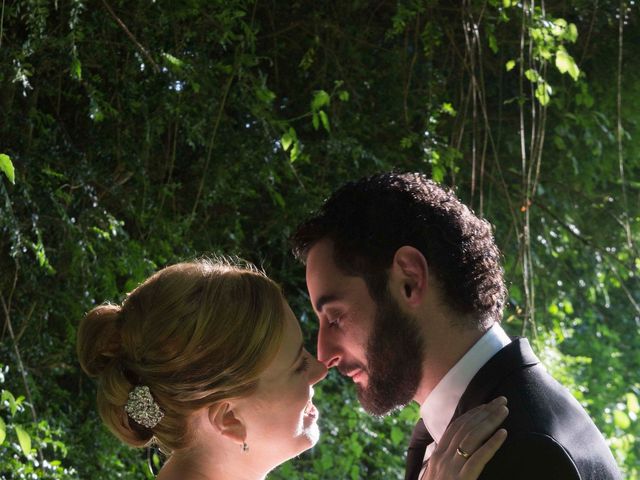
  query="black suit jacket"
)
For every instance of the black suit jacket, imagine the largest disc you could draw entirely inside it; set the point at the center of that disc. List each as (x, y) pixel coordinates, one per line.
(550, 436)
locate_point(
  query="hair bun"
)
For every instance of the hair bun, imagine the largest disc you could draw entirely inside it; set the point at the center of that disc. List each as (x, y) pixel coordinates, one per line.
(99, 341)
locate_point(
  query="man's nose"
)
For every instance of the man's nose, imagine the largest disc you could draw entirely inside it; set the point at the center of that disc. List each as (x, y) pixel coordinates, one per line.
(329, 351)
(319, 372)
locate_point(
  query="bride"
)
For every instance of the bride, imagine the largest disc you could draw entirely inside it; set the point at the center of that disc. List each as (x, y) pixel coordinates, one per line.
(206, 359)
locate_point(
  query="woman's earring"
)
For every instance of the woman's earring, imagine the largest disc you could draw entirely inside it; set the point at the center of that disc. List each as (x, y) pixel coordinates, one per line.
(245, 447)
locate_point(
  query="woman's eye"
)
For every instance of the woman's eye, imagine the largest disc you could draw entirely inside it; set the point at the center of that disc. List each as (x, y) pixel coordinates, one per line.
(304, 365)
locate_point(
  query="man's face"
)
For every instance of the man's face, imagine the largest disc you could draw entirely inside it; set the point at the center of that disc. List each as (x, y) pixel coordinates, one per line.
(376, 345)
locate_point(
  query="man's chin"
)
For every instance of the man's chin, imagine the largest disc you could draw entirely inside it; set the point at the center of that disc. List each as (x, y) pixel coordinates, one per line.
(373, 406)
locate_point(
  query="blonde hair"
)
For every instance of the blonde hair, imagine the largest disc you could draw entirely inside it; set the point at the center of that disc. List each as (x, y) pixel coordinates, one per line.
(195, 333)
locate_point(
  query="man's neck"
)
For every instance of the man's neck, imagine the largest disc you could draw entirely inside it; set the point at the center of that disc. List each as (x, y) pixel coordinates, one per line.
(441, 354)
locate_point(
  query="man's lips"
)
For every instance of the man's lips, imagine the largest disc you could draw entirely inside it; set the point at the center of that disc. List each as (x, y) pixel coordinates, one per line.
(354, 374)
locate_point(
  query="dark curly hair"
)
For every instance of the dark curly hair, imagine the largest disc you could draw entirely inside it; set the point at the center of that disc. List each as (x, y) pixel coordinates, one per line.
(368, 220)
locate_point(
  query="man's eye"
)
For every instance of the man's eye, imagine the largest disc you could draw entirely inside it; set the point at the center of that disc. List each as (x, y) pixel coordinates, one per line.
(335, 321)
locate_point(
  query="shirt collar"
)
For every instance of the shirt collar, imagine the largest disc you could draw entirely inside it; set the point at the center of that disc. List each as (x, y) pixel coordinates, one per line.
(439, 407)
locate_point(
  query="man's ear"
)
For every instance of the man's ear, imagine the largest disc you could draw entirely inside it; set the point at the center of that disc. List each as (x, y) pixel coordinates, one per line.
(225, 421)
(409, 275)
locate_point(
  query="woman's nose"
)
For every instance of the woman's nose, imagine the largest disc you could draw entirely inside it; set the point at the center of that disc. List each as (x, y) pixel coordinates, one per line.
(319, 371)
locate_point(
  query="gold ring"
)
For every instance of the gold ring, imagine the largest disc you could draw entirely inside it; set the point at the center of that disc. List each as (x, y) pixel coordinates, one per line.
(462, 453)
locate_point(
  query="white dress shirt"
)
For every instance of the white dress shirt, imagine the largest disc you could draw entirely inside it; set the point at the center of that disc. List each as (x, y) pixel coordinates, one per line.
(439, 407)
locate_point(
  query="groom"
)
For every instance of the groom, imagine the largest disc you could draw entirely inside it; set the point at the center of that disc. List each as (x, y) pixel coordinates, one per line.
(408, 288)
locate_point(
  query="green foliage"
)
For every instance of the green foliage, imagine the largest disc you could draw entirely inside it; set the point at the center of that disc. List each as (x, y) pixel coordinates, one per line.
(6, 165)
(215, 127)
(29, 449)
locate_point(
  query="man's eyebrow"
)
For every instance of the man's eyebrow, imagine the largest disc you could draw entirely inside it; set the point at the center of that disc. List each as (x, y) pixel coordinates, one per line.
(324, 299)
(298, 354)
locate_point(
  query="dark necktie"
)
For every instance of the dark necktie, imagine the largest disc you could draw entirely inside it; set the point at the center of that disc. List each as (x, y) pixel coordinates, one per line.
(420, 438)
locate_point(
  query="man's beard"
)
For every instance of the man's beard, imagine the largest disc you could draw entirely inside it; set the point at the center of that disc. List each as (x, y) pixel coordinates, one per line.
(394, 357)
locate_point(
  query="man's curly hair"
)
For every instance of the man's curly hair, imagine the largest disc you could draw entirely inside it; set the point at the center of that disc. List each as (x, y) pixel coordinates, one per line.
(368, 220)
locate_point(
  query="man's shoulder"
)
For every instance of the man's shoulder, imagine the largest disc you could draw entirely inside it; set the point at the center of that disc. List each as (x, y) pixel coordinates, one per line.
(545, 422)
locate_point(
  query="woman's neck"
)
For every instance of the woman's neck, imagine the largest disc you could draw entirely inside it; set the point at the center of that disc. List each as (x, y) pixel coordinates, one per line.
(197, 464)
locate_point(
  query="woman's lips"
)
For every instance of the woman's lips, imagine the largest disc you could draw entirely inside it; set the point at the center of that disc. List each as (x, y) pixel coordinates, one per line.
(310, 410)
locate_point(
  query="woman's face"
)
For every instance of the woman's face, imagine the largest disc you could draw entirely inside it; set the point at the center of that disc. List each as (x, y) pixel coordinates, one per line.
(281, 420)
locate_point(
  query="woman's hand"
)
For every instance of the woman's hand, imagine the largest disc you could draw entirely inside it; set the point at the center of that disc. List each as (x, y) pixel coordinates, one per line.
(464, 449)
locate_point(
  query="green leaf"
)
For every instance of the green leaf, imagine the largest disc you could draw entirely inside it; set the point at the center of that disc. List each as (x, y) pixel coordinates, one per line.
(325, 120)
(173, 61)
(566, 64)
(3, 430)
(621, 419)
(558, 27)
(397, 435)
(632, 404)
(286, 141)
(448, 109)
(265, 95)
(6, 165)
(506, 3)
(278, 198)
(543, 93)
(76, 68)
(509, 65)
(437, 173)
(8, 397)
(23, 439)
(572, 33)
(532, 75)
(315, 121)
(343, 95)
(320, 99)
(493, 43)
(568, 307)
(295, 152)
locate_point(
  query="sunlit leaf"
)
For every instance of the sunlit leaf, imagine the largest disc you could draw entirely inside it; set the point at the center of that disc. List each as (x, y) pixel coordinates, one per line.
(6, 165)
(325, 120)
(23, 439)
(295, 152)
(572, 33)
(3, 430)
(532, 75)
(543, 93)
(7, 396)
(173, 61)
(558, 27)
(320, 99)
(632, 403)
(286, 141)
(621, 419)
(566, 64)
(448, 109)
(509, 65)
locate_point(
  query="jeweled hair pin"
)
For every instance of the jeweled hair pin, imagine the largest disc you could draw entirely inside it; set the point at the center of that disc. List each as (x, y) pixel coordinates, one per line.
(142, 408)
